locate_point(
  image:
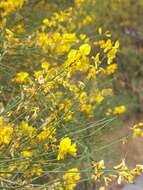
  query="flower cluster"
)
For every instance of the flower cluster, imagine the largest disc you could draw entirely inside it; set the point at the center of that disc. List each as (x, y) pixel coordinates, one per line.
(120, 173)
(137, 129)
(7, 7)
(55, 85)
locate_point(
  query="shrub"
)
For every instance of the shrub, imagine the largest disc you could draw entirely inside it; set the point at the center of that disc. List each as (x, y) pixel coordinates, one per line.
(56, 92)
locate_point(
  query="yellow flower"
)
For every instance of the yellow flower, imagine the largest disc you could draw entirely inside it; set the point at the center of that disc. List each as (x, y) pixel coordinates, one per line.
(98, 98)
(66, 147)
(116, 110)
(119, 110)
(47, 22)
(107, 180)
(6, 134)
(111, 69)
(98, 170)
(125, 173)
(22, 77)
(83, 98)
(87, 20)
(70, 38)
(82, 36)
(10, 5)
(72, 56)
(100, 31)
(42, 40)
(111, 55)
(26, 153)
(106, 45)
(96, 60)
(107, 34)
(92, 72)
(37, 170)
(19, 28)
(68, 116)
(117, 44)
(71, 178)
(137, 131)
(85, 49)
(87, 108)
(26, 129)
(48, 133)
(45, 65)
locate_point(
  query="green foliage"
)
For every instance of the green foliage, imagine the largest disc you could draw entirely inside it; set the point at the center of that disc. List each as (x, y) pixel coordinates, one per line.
(124, 19)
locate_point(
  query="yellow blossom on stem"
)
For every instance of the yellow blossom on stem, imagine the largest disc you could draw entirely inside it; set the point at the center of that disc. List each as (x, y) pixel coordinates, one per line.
(119, 110)
(111, 69)
(85, 49)
(137, 129)
(66, 148)
(71, 178)
(22, 77)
